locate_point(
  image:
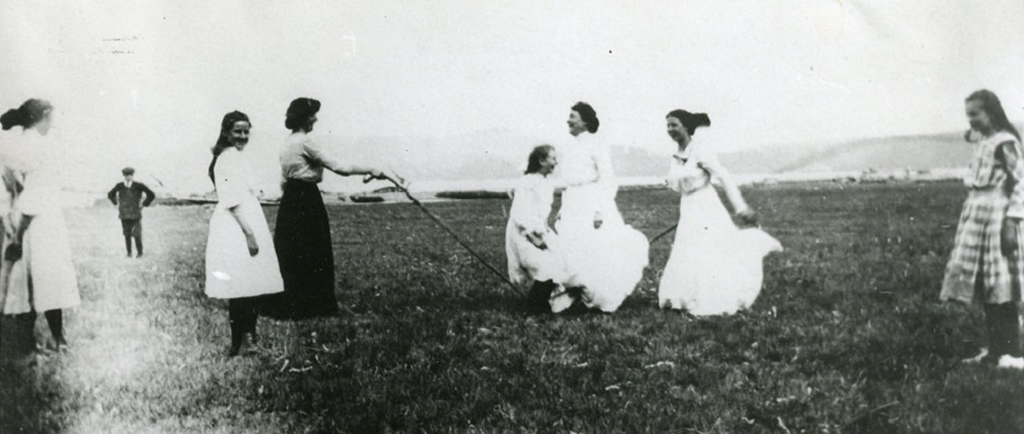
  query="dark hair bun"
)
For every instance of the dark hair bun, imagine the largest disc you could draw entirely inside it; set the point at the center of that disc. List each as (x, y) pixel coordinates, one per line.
(11, 119)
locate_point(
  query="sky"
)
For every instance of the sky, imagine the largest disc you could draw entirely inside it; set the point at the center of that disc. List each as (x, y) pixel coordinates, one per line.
(145, 83)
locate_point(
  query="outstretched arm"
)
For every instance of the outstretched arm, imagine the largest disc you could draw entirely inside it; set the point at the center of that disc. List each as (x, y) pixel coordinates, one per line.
(732, 191)
(316, 152)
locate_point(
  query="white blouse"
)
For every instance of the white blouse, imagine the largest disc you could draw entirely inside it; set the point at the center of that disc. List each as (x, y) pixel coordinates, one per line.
(40, 163)
(531, 204)
(304, 159)
(692, 169)
(233, 176)
(584, 160)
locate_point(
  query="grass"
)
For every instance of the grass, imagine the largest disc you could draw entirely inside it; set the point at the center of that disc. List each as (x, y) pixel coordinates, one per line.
(847, 336)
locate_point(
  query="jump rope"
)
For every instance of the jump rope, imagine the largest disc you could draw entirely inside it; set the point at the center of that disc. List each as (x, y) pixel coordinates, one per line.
(465, 245)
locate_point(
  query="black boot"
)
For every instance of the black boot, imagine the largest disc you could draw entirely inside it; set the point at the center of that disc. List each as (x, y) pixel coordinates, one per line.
(537, 300)
(55, 319)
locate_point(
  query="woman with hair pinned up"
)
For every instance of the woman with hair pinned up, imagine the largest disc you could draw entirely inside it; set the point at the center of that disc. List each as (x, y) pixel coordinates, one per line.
(606, 256)
(41, 273)
(714, 268)
(303, 232)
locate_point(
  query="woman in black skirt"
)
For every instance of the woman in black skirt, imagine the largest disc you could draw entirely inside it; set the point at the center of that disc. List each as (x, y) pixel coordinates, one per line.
(303, 234)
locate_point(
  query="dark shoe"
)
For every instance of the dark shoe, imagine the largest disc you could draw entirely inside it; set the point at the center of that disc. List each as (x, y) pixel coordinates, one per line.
(537, 300)
(983, 357)
(63, 347)
(58, 346)
(247, 341)
(235, 349)
(236, 346)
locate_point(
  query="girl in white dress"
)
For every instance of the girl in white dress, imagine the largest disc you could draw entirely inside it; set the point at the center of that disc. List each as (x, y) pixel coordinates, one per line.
(240, 260)
(715, 268)
(39, 274)
(533, 249)
(606, 256)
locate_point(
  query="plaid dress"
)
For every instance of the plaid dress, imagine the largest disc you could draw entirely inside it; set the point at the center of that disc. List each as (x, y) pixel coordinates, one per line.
(977, 268)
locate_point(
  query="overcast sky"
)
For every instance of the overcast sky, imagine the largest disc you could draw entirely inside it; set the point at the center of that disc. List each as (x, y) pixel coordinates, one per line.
(146, 82)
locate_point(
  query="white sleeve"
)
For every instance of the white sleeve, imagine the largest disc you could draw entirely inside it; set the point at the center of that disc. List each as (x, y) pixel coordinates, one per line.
(526, 214)
(232, 179)
(675, 176)
(708, 158)
(317, 152)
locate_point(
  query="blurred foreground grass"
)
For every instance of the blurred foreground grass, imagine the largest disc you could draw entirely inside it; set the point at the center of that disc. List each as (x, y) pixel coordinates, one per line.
(847, 336)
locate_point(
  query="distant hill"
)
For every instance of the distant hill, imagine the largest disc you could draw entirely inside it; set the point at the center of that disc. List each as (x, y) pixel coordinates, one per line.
(922, 152)
(501, 154)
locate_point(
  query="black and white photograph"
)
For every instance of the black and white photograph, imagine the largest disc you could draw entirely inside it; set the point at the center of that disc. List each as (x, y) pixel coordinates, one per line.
(475, 216)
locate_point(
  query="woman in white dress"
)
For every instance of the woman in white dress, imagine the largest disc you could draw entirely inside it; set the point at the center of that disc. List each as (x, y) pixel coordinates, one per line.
(715, 268)
(533, 249)
(240, 260)
(39, 274)
(606, 256)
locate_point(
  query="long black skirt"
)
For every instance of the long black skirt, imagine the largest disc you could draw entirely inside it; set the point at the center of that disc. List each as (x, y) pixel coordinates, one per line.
(302, 239)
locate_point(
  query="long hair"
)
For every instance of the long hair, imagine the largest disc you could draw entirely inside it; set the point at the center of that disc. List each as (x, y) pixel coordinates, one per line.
(30, 112)
(222, 141)
(537, 156)
(588, 115)
(691, 121)
(990, 103)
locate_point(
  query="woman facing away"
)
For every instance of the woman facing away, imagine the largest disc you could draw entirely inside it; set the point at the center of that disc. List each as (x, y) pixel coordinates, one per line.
(40, 275)
(303, 232)
(715, 268)
(986, 265)
(606, 256)
(240, 260)
(533, 249)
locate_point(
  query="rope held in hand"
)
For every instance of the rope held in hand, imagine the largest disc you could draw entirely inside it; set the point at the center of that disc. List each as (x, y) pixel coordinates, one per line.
(454, 235)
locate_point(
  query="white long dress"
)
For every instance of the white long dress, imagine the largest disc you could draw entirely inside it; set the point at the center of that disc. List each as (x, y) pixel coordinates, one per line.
(607, 262)
(531, 205)
(46, 251)
(715, 268)
(230, 271)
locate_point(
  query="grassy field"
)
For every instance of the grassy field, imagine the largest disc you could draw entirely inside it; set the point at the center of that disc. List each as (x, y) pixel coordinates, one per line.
(847, 336)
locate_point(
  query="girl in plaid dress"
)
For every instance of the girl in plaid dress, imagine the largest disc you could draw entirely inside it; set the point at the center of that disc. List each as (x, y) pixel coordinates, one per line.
(985, 264)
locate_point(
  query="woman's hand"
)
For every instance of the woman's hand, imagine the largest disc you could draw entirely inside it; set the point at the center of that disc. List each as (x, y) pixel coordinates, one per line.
(537, 239)
(747, 218)
(13, 252)
(1010, 236)
(971, 136)
(254, 247)
(384, 174)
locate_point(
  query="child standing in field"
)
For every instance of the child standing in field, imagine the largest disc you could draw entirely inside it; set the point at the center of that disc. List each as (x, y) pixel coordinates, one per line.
(240, 261)
(985, 264)
(128, 196)
(530, 244)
